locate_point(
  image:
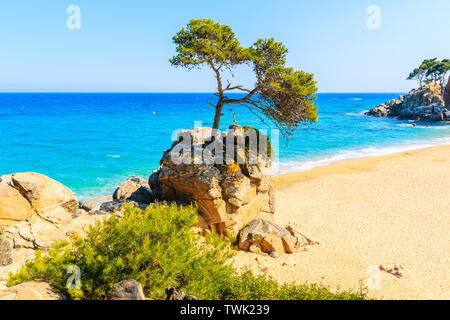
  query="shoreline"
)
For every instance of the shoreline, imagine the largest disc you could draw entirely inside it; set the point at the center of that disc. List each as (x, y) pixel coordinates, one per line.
(350, 155)
(366, 213)
(345, 166)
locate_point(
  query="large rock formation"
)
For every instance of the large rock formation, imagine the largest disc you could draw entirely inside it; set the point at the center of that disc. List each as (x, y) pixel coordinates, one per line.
(425, 103)
(230, 187)
(28, 196)
(35, 212)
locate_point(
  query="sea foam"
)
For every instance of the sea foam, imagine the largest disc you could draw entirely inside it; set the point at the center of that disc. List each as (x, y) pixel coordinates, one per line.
(289, 166)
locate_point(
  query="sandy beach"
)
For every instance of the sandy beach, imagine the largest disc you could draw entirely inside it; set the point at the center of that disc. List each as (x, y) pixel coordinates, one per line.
(366, 213)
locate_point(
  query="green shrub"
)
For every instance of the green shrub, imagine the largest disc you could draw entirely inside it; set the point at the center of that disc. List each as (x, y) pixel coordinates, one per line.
(259, 135)
(248, 286)
(158, 248)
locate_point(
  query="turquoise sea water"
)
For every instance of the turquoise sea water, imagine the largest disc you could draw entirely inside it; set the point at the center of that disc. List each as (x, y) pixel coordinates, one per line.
(92, 142)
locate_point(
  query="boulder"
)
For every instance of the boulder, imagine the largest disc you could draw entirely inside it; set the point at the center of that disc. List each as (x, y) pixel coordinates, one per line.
(261, 236)
(33, 290)
(95, 203)
(13, 206)
(230, 187)
(44, 193)
(174, 294)
(127, 290)
(134, 189)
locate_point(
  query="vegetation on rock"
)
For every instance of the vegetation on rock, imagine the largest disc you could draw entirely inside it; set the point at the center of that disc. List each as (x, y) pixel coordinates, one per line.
(431, 70)
(259, 135)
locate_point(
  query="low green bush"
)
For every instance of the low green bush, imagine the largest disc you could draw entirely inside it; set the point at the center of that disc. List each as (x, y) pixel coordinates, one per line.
(248, 286)
(158, 248)
(259, 135)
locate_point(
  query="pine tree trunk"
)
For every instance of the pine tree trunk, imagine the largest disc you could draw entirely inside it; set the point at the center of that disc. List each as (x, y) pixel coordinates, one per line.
(217, 116)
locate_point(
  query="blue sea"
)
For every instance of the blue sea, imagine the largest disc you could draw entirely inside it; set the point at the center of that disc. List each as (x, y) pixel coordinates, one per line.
(91, 142)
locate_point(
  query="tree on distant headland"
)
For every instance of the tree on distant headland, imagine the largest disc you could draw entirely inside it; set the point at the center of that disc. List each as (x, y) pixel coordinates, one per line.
(431, 70)
(418, 74)
(283, 95)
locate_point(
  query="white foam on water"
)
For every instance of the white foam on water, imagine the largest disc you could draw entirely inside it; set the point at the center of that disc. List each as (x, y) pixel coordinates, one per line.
(112, 156)
(289, 166)
(356, 114)
(423, 126)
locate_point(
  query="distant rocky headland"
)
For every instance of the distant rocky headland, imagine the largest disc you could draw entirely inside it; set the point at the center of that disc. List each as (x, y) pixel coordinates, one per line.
(422, 104)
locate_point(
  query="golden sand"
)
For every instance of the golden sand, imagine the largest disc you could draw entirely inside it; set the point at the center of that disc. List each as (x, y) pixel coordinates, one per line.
(366, 213)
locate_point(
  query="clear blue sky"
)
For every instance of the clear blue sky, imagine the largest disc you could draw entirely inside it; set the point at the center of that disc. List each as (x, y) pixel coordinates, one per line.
(125, 45)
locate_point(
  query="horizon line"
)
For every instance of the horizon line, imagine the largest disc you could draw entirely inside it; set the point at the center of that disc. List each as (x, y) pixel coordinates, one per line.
(180, 92)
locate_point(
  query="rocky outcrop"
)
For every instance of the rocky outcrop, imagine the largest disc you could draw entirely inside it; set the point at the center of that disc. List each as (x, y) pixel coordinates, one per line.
(35, 212)
(134, 189)
(261, 236)
(43, 193)
(33, 290)
(229, 186)
(447, 94)
(425, 104)
(127, 290)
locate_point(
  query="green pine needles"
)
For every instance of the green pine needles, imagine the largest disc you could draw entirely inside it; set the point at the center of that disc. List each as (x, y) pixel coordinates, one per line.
(158, 248)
